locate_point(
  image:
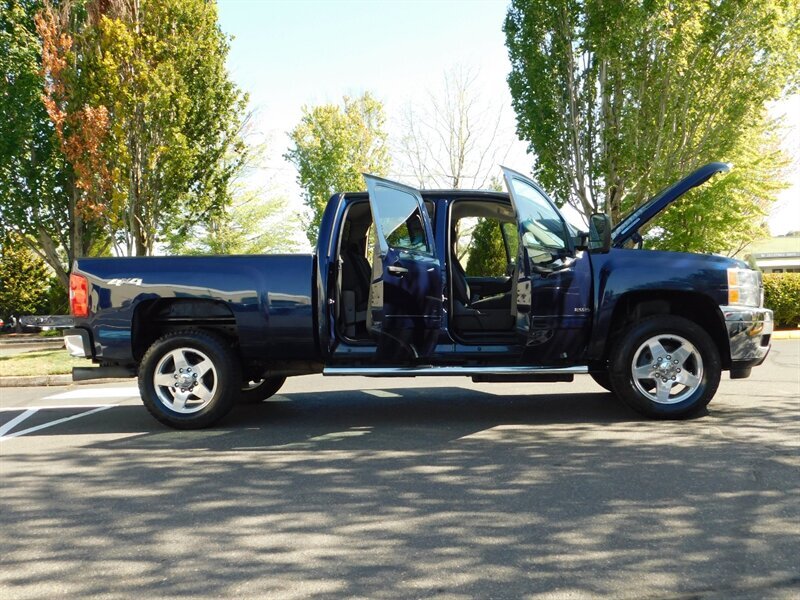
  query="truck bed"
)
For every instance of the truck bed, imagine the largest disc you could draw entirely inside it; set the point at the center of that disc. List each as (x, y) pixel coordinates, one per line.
(269, 297)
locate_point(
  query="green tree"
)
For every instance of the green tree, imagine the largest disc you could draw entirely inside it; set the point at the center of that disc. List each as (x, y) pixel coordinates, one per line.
(487, 254)
(118, 124)
(726, 216)
(333, 146)
(172, 144)
(618, 98)
(250, 225)
(24, 279)
(37, 191)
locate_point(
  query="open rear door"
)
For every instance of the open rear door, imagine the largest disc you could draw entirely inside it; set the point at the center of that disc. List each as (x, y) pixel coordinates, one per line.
(405, 298)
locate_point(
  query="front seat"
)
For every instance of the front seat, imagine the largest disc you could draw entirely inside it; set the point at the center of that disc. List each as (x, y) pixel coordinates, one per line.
(492, 313)
(462, 292)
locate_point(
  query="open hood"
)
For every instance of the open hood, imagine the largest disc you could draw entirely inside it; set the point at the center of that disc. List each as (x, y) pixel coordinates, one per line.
(629, 226)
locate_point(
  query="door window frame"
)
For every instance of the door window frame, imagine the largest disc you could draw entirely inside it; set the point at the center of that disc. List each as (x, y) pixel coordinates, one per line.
(426, 219)
(348, 201)
(509, 175)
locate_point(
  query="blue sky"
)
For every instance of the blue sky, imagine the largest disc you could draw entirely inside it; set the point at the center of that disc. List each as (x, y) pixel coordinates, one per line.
(287, 54)
(290, 54)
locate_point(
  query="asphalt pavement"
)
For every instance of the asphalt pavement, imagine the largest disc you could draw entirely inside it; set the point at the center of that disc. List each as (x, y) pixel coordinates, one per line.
(405, 488)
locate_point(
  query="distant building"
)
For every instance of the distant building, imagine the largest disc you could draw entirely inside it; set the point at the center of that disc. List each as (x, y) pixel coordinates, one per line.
(776, 255)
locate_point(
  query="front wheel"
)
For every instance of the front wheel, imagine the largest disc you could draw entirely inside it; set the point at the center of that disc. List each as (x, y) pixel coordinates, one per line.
(665, 367)
(189, 379)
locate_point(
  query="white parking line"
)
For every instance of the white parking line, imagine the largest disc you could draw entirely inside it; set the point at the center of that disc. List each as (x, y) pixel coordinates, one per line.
(56, 422)
(120, 392)
(381, 393)
(53, 407)
(16, 421)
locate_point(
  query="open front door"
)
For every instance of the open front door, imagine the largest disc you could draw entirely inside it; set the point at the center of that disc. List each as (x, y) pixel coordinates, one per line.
(405, 297)
(552, 297)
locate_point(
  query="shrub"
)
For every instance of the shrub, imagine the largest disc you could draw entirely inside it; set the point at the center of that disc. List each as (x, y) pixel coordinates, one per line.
(57, 300)
(782, 295)
(24, 279)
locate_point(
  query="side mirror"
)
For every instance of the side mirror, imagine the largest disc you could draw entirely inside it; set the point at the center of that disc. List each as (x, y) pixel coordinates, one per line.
(581, 240)
(600, 232)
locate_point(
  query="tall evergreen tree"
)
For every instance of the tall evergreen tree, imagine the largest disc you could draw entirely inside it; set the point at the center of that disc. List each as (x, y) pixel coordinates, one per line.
(487, 254)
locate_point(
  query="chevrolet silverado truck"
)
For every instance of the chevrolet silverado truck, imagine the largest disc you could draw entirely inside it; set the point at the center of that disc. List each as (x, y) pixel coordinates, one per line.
(386, 294)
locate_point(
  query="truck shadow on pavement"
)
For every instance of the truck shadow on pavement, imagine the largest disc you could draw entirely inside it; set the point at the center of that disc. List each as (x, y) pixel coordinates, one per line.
(347, 419)
(447, 492)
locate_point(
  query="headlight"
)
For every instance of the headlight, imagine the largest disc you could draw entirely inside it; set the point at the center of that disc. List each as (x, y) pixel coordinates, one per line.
(744, 287)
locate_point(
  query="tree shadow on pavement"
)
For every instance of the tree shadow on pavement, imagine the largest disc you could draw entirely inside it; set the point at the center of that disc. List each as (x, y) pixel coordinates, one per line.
(441, 492)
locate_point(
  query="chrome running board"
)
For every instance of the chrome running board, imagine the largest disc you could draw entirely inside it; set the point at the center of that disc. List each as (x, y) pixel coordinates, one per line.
(463, 371)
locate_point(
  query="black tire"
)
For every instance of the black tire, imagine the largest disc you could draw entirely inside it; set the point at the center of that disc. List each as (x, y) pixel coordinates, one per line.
(686, 380)
(208, 398)
(603, 380)
(262, 390)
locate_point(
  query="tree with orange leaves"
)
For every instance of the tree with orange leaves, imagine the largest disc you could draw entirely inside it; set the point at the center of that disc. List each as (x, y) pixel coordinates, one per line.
(140, 118)
(37, 183)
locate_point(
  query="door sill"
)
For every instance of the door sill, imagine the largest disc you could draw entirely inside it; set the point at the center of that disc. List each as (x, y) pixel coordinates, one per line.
(428, 371)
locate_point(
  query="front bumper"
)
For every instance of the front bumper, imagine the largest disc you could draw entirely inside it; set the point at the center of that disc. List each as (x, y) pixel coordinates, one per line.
(749, 333)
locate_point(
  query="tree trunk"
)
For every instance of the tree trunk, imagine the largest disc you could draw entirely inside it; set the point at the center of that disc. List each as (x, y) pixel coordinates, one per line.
(48, 251)
(76, 242)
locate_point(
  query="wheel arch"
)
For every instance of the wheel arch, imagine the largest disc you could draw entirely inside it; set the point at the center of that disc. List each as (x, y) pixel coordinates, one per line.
(693, 306)
(154, 318)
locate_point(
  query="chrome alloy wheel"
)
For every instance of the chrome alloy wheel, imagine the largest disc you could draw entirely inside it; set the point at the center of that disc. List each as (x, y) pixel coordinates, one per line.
(667, 369)
(185, 380)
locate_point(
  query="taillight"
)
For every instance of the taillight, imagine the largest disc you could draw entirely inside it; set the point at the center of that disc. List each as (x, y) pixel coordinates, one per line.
(78, 296)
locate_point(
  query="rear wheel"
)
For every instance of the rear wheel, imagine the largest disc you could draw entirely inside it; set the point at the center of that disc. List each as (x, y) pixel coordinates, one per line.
(258, 391)
(189, 379)
(665, 367)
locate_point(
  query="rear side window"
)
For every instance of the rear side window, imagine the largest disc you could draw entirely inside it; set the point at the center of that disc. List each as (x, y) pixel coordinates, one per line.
(402, 237)
(400, 219)
(409, 235)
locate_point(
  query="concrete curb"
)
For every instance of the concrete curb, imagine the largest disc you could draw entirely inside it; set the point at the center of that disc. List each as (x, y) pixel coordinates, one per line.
(34, 341)
(51, 380)
(787, 334)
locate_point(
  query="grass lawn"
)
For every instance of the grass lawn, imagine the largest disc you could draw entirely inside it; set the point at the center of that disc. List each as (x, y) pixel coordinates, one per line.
(40, 362)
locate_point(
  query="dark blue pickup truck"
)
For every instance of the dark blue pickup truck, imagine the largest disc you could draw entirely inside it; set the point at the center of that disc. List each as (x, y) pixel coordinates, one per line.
(386, 294)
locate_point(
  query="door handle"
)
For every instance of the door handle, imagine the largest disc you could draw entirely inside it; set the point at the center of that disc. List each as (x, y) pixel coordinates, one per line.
(397, 270)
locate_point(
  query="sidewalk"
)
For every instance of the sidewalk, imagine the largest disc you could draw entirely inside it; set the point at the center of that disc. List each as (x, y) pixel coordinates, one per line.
(786, 334)
(17, 343)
